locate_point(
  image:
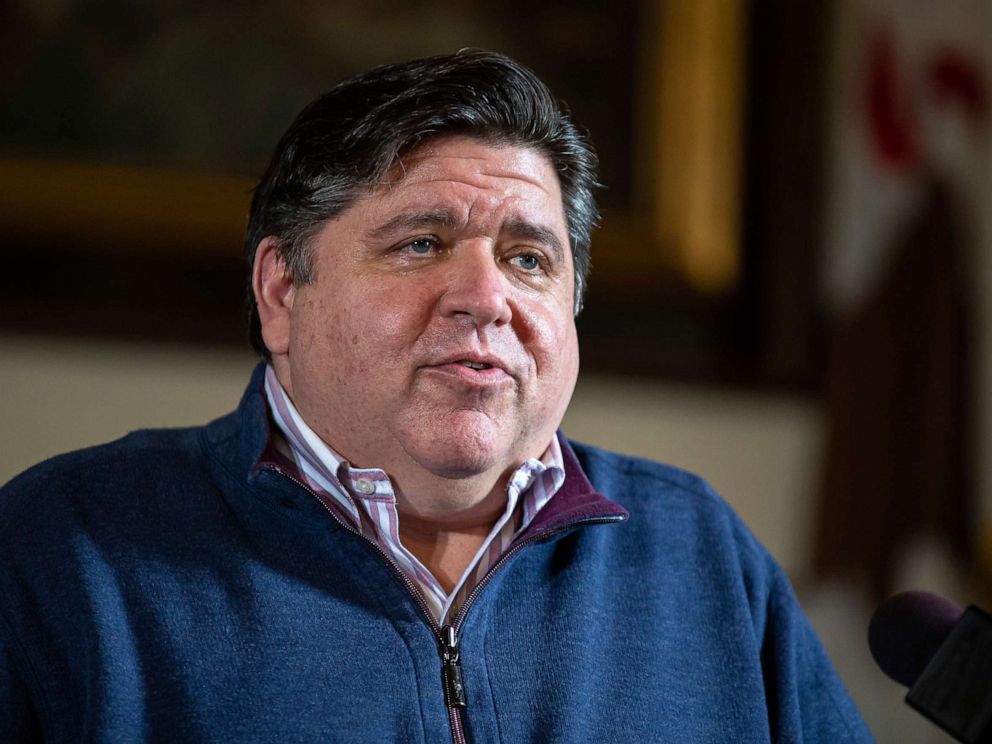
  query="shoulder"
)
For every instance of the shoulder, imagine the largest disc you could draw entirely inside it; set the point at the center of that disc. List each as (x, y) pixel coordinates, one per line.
(659, 493)
(612, 470)
(146, 447)
(103, 474)
(680, 526)
(688, 548)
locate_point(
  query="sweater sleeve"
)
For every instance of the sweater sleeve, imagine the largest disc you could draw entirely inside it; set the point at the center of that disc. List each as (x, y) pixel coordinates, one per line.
(807, 701)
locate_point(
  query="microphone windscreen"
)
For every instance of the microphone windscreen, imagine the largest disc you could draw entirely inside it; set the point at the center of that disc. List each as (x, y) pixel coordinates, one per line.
(906, 631)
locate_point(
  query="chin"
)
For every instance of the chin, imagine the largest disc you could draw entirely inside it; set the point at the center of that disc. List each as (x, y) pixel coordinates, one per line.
(458, 451)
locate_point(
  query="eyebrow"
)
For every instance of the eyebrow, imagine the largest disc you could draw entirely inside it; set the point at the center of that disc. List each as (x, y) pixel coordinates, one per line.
(536, 234)
(442, 218)
(415, 221)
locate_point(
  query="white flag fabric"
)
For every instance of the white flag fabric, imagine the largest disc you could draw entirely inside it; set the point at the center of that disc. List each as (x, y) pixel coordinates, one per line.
(909, 104)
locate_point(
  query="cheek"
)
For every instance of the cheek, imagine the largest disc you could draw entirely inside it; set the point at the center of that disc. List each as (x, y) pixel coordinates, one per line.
(397, 310)
(556, 354)
(324, 338)
(570, 349)
(568, 373)
(358, 337)
(553, 340)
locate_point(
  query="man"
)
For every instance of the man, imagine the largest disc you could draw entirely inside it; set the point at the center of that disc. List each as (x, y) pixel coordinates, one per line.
(389, 540)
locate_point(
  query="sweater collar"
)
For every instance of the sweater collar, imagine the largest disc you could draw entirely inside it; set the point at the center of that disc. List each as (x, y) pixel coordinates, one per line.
(576, 501)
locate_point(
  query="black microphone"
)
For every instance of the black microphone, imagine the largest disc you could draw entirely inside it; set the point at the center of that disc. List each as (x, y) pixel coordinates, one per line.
(943, 654)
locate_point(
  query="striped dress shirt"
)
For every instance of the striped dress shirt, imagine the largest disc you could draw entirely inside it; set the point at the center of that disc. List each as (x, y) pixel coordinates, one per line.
(364, 498)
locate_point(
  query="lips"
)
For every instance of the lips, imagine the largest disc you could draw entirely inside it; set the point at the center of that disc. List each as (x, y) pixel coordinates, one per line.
(474, 368)
(476, 361)
(474, 365)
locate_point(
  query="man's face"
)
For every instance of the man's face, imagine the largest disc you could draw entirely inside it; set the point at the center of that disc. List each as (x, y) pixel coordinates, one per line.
(438, 333)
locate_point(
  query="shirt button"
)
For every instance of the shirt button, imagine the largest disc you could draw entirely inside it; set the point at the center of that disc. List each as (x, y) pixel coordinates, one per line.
(364, 485)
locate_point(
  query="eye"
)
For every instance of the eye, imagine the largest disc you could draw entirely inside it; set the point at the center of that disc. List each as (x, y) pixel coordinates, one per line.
(527, 261)
(421, 246)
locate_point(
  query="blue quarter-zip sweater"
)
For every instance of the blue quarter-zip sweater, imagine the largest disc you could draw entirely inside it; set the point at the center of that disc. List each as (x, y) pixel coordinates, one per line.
(174, 587)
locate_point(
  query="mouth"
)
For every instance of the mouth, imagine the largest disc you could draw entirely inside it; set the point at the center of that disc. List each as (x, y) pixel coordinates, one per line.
(473, 365)
(474, 370)
(479, 361)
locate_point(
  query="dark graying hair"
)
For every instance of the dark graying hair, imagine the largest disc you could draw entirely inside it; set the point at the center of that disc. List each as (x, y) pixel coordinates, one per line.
(343, 143)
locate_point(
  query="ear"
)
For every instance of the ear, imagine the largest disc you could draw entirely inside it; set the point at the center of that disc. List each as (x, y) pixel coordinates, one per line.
(274, 293)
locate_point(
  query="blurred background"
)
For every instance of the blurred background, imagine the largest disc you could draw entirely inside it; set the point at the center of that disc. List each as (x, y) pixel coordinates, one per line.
(790, 287)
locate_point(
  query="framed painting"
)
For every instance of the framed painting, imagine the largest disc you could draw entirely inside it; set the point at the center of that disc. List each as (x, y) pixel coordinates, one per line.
(132, 135)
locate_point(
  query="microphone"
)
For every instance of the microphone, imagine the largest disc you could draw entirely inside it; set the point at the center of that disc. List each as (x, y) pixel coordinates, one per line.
(943, 654)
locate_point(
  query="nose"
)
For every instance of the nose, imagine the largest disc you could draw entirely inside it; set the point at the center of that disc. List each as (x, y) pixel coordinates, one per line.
(475, 288)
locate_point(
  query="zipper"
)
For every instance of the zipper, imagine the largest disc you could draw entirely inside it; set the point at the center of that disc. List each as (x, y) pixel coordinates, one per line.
(450, 632)
(448, 644)
(451, 678)
(451, 669)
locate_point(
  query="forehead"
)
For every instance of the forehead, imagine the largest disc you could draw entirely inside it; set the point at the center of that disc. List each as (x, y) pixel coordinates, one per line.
(508, 179)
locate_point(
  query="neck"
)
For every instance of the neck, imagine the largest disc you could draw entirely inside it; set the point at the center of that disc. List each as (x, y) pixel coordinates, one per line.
(446, 541)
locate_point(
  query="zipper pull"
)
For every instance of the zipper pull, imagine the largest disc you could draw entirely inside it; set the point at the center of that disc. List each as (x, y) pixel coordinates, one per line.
(451, 669)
